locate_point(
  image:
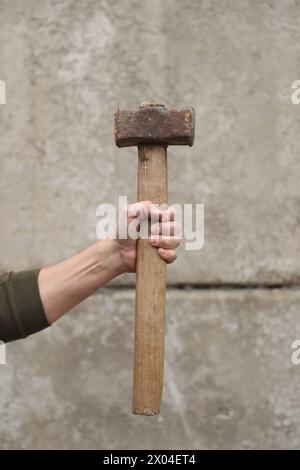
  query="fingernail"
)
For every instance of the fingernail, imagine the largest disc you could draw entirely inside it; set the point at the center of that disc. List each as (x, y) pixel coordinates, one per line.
(154, 239)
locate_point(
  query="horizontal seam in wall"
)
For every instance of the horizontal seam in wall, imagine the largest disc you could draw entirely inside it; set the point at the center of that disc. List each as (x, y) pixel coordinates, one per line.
(217, 286)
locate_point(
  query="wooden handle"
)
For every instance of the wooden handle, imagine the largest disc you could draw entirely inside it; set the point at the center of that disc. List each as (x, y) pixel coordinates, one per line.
(150, 291)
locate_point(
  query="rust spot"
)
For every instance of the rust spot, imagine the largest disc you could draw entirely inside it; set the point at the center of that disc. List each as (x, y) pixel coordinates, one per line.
(155, 124)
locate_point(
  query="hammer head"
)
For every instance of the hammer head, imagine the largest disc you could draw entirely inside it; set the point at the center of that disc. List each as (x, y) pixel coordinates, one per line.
(153, 123)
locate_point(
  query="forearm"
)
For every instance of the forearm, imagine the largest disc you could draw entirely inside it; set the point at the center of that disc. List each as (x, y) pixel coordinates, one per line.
(66, 284)
(30, 301)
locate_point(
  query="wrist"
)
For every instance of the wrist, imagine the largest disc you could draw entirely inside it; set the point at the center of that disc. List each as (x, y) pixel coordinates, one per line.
(113, 255)
(127, 255)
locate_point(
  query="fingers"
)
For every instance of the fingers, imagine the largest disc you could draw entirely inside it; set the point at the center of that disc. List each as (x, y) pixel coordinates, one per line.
(165, 232)
(166, 228)
(145, 209)
(139, 210)
(167, 243)
(167, 255)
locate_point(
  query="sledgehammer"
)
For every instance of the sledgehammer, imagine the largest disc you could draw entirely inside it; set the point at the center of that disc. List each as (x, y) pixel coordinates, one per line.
(151, 128)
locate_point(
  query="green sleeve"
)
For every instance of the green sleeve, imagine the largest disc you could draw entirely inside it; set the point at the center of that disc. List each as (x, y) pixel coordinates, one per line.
(21, 308)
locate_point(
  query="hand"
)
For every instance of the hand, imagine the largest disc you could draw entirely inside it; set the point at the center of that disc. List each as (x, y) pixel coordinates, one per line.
(66, 284)
(164, 233)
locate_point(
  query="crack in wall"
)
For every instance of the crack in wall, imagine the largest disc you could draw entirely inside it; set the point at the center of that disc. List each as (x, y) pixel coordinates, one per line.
(213, 286)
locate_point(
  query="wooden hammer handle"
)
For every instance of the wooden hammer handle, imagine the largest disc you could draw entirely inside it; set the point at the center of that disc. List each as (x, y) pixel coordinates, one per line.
(150, 290)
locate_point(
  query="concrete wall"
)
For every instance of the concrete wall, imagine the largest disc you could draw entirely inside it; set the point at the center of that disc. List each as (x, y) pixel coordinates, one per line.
(229, 378)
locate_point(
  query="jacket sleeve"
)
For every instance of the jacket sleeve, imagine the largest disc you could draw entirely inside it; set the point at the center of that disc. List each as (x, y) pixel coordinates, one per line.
(21, 308)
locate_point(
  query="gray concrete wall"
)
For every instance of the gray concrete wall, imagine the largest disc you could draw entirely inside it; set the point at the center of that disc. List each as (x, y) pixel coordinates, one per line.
(67, 64)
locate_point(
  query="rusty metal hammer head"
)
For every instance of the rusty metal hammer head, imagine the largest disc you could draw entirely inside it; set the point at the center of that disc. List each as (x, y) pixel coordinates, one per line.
(154, 123)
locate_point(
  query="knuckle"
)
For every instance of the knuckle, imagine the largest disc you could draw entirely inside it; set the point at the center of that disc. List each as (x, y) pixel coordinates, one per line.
(155, 229)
